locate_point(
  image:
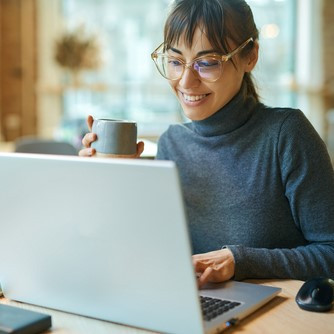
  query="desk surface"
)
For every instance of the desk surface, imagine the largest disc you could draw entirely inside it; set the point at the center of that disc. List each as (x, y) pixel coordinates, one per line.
(280, 315)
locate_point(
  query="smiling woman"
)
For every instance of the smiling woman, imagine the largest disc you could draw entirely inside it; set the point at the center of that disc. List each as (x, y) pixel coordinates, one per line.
(245, 168)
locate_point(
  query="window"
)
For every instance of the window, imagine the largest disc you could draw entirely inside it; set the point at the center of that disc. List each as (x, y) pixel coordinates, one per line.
(274, 73)
(128, 31)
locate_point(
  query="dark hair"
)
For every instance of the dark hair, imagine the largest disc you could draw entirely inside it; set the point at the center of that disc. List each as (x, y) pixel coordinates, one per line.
(221, 20)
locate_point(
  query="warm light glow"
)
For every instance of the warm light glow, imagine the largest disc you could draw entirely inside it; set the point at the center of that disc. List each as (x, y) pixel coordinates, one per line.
(270, 30)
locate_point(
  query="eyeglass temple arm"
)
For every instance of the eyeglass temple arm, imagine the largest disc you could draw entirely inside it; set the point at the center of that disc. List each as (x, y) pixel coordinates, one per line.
(230, 55)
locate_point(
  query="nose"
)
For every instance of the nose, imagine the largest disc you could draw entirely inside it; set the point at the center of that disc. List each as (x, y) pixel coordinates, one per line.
(189, 78)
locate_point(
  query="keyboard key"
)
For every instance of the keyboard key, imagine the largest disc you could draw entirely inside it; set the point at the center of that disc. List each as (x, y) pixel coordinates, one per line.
(213, 307)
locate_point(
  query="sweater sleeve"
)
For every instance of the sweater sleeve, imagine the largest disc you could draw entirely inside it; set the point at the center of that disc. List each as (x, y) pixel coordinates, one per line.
(308, 179)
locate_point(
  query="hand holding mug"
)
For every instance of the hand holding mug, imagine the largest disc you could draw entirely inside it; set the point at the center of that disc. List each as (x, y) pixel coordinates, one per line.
(111, 139)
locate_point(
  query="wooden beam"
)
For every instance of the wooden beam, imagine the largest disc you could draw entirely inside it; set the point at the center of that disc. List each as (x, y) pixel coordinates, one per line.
(18, 68)
(28, 63)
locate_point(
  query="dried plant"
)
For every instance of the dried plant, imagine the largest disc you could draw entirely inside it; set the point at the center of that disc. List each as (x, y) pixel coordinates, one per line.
(77, 51)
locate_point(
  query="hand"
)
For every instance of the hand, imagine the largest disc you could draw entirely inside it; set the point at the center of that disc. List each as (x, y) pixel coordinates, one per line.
(216, 266)
(90, 137)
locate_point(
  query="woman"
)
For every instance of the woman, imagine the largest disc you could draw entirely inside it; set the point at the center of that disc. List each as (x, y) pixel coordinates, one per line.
(258, 182)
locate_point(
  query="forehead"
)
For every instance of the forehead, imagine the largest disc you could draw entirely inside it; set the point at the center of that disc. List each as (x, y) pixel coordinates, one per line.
(200, 42)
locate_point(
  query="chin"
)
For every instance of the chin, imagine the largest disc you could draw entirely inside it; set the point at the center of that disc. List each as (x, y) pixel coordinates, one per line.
(195, 115)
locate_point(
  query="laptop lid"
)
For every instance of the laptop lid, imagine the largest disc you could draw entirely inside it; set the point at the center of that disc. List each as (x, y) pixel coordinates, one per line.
(106, 238)
(98, 237)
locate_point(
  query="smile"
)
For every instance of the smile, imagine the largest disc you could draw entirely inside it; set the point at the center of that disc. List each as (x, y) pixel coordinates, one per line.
(194, 98)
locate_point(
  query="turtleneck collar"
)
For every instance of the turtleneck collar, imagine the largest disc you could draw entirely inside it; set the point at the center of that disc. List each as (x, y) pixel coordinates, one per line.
(227, 119)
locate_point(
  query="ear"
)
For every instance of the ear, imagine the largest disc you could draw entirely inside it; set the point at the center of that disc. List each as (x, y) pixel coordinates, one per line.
(252, 58)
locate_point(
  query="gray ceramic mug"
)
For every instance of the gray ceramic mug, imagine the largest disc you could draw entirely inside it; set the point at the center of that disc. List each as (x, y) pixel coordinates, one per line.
(114, 137)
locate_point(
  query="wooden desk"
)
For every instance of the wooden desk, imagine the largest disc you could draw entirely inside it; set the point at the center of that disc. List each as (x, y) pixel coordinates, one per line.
(281, 315)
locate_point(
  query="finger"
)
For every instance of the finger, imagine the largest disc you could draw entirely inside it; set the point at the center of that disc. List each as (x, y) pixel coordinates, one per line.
(88, 139)
(201, 265)
(90, 121)
(87, 152)
(205, 277)
(204, 258)
(140, 148)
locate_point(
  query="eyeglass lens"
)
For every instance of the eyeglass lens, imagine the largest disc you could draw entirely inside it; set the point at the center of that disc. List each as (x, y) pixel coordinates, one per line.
(172, 68)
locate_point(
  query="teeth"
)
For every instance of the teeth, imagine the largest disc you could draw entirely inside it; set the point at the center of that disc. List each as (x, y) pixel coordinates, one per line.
(193, 97)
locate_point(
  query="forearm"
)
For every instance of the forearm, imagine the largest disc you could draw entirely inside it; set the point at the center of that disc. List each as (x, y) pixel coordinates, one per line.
(302, 263)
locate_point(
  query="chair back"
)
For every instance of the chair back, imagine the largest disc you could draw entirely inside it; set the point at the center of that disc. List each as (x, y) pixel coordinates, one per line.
(44, 146)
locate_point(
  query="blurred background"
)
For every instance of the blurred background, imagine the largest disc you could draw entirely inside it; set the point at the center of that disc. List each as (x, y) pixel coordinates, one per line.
(61, 60)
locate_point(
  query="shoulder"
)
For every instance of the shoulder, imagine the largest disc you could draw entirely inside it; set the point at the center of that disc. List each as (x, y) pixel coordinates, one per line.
(284, 121)
(278, 115)
(298, 141)
(289, 129)
(295, 126)
(288, 116)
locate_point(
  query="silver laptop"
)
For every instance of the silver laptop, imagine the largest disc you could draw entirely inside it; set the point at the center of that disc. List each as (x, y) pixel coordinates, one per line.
(108, 239)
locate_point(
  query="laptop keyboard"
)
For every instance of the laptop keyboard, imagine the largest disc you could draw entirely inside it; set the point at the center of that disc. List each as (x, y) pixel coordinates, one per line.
(213, 307)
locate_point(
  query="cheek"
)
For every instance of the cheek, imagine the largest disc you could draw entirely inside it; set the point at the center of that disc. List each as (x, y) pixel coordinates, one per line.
(172, 85)
(229, 83)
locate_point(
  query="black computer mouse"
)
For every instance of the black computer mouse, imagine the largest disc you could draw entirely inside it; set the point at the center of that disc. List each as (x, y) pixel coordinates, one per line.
(316, 295)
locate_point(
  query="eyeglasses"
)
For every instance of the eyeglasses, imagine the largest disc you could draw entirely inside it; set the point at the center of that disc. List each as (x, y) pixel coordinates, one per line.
(208, 67)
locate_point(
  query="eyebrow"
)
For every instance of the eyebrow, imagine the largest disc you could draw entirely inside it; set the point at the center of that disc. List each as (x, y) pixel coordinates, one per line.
(201, 53)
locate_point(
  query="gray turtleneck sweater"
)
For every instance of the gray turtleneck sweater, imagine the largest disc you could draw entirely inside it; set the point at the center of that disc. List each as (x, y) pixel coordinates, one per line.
(258, 180)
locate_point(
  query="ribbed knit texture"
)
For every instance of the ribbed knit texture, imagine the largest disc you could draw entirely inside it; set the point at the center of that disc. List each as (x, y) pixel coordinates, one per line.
(258, 180)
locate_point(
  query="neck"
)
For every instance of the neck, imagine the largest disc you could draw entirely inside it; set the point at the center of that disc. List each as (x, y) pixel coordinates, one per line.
(227, 119)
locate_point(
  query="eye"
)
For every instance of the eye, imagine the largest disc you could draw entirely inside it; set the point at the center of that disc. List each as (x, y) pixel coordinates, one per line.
(207, 62)
(174, 62)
